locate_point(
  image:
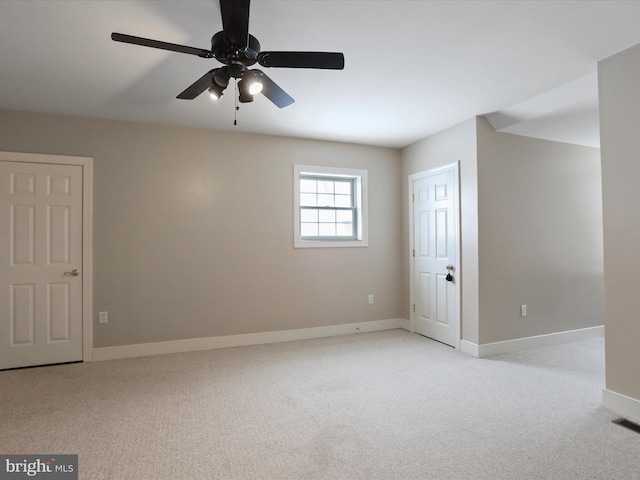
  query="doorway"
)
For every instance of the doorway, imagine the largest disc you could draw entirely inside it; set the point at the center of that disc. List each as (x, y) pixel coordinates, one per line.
(434, 228)
(45, 259)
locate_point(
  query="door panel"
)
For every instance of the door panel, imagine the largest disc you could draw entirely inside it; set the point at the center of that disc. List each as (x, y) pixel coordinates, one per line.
(58, 241)
(435, 241)
(23, 230)
(425, 295)
(22, 314)
(58, 312)
(442, 240)
(423, 227)
(40, 244)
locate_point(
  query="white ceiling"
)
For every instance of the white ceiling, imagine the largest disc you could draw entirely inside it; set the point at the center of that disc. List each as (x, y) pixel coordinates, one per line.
(412, 68)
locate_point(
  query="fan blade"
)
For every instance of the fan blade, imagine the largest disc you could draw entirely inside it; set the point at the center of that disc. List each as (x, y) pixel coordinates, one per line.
(198, 86)
(272, 91)
(235, 22)
(147, 42)
(325, 60)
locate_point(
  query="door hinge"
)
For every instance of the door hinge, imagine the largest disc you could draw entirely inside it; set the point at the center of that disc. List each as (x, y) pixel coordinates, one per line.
(413, 197)
(414, 252)
(414, 308)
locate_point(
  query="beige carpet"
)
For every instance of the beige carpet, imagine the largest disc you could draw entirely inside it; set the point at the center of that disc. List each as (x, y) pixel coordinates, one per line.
(385, 405)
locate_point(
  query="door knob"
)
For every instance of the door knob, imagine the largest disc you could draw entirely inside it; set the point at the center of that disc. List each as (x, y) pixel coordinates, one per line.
(73, 273)
(449, 277)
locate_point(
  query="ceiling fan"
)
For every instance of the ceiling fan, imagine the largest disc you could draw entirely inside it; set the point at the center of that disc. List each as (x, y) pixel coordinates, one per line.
(237, 50)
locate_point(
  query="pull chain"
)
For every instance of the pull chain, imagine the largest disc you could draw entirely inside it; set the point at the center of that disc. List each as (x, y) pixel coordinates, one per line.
(237, 107)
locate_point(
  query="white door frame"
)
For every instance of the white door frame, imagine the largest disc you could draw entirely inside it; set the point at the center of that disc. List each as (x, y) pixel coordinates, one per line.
(455, 167)
(87, 233)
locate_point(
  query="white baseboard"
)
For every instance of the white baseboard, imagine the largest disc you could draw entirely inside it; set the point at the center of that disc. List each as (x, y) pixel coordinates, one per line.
(194, 344)
(469, 348)
(621, 404)
(519, 344)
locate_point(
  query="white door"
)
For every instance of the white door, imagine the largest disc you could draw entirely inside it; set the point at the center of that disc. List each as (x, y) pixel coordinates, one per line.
(435, 255)
(40, 264)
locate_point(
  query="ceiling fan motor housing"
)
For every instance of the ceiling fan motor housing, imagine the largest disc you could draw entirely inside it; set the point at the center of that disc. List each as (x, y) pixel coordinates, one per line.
(232, 55)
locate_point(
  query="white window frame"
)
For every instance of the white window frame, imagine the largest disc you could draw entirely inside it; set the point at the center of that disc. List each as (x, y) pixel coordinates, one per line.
(361, 201)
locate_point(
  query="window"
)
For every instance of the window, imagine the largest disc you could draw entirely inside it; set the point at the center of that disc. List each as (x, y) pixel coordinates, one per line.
(330, 207)
(327, 208)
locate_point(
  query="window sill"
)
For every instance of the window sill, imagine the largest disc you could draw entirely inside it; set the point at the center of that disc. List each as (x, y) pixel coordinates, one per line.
(299, 243)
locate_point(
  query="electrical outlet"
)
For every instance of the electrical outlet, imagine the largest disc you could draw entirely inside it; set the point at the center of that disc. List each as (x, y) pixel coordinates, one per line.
(103, 317)
(523, 310)
(370, 299)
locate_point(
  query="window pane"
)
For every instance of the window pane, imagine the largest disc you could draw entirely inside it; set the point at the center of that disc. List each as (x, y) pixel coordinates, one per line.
(325, 186)
(343, 188)
(325, 200)
(309, 229)
(327, 216)
(308, 186)
(308, 199)
(327, 230)
(345, 230)
(309, 215)
(343, 201)
(344, 216)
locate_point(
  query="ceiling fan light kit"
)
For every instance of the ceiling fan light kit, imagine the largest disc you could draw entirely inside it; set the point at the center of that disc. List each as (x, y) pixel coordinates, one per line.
(221, 77)
(237, 50)
(245, 95)
(216, 92)
(253, 82)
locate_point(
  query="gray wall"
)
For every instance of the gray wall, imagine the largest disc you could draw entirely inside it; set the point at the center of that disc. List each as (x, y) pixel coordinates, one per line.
(193, 230)
(540, 236)
(620, 144)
